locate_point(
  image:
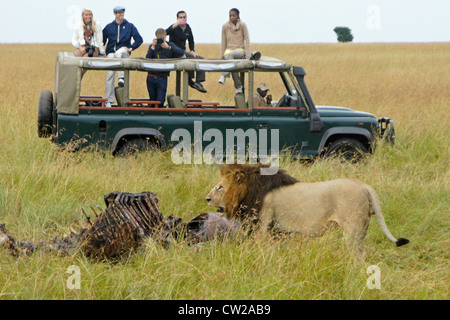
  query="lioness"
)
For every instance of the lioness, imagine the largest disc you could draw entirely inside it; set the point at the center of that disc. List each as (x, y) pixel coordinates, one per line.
(286, 205)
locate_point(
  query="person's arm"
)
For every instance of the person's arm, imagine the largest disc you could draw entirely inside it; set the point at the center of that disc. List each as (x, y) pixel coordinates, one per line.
(99, 38)
(75, 42)
(137, 38)
(256, 100)
(269, 100)
(191, 40)
(105, 35)
(176, 51)
(171, 30)
(76, 38)
(246, 38)
(151, 51)
(223, 44)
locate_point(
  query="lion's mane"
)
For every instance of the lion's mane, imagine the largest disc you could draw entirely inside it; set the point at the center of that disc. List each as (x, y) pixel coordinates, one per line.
(247, 188)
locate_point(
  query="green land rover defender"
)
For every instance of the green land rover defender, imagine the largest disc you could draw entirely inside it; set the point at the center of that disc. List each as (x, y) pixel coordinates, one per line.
(294, 123)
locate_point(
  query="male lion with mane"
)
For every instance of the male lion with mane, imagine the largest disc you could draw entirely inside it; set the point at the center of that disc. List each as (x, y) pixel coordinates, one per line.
(283, 204)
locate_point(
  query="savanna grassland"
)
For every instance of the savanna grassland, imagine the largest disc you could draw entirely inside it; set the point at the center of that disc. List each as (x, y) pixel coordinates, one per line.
(43, 189)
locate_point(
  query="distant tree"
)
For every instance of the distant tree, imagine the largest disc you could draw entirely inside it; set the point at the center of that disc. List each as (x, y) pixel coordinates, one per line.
(344, 34)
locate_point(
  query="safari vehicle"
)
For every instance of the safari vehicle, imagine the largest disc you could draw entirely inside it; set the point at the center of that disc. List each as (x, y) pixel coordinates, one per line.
(306, 130)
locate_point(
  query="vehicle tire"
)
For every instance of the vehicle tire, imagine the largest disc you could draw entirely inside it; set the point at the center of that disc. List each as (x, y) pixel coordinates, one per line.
(45, 117)
(136, 145)
(346, 149)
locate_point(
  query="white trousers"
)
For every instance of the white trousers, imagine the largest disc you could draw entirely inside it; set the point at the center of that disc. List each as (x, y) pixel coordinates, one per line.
(111, 75)
(234, 54)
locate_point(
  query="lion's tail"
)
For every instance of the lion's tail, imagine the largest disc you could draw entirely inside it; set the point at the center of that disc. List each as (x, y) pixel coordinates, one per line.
(376, 209)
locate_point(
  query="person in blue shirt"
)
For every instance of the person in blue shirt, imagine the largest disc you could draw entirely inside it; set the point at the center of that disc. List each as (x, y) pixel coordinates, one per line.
(157, 80)
(117, 37)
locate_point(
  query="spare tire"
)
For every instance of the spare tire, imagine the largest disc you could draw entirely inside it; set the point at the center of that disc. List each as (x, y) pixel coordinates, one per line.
(45, 117)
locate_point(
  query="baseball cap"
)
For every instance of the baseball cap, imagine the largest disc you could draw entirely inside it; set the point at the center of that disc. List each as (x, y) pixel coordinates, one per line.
(118, 8)
(263, 86)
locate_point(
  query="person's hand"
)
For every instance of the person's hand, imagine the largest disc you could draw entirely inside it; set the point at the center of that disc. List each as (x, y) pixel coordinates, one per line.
(194, 54)
(129, 49)
(269, 98)
(178, 23)
(164, 45)
(83, 49)
(155, 42)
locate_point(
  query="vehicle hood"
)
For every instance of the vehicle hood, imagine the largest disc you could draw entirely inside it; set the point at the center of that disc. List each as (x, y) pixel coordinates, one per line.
(331, 111)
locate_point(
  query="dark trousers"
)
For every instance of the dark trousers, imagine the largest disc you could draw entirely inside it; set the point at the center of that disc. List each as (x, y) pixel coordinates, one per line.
(201, 77)
(157, 88)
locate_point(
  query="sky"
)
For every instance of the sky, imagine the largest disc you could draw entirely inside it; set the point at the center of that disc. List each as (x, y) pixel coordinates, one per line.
(269, 21)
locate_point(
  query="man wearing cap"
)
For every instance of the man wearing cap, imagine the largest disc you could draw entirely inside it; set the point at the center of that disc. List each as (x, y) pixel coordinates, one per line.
(261, 93)
(117, 37)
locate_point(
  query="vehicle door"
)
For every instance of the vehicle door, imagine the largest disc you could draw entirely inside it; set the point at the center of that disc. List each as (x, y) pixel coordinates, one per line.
(285, 123)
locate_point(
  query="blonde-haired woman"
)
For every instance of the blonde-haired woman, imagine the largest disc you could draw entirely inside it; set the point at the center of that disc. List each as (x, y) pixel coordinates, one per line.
(88, 37)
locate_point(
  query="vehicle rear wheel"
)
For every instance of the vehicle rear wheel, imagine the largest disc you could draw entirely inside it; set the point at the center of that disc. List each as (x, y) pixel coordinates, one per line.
(346, 149)
(45, 117)
(136, 145)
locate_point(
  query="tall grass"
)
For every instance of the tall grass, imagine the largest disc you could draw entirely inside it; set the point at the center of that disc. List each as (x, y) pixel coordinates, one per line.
(42, 189)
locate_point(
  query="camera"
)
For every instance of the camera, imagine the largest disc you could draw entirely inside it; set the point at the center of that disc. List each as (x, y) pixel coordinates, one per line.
(160, 41)
(90, 50)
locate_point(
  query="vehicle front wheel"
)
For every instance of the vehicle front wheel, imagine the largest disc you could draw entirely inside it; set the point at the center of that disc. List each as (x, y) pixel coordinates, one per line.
(136, 145)
(346, 149)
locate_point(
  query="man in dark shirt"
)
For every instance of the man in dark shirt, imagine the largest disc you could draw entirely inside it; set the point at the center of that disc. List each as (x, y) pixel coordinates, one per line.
(179, 33)
(157, 80)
